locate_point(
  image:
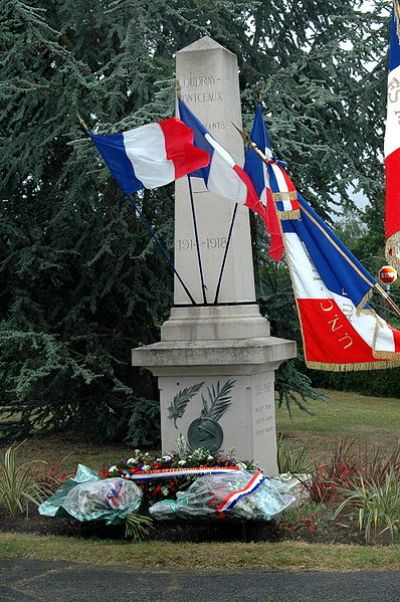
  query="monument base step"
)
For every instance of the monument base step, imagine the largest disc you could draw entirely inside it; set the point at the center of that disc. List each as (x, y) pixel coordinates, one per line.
(222, 357)
(193, 323)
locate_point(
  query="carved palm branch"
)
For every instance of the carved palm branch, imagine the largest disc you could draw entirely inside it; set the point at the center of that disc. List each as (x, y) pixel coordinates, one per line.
(178, 406)
(219, 400)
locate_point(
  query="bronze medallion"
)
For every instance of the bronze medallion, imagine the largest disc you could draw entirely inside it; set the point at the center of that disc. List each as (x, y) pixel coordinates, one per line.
(205, 433)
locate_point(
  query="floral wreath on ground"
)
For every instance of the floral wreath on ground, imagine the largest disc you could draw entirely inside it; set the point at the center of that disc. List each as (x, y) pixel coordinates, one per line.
(159, 489)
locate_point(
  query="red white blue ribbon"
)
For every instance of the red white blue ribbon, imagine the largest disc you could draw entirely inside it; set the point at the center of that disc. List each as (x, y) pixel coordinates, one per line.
(172, 473)
(230, 500)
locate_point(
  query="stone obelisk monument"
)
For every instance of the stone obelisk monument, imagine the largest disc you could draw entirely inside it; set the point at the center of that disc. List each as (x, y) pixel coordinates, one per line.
(216, 362)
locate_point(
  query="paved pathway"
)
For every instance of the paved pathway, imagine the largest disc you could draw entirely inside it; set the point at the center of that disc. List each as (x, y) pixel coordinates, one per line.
(35, 580)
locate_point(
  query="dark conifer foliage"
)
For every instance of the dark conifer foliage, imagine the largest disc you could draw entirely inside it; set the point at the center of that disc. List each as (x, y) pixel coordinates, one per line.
(80, 283)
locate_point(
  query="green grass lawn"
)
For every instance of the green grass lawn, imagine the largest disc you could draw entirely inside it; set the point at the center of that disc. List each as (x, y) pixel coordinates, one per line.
(202, 556)
(374, 421)
(65, 451)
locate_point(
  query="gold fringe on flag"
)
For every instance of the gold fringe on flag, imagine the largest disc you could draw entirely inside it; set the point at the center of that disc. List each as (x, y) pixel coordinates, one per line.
(367, 297)
(382, 365)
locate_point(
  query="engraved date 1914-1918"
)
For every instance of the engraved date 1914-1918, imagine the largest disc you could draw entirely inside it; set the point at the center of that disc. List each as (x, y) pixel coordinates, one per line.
(214, 242)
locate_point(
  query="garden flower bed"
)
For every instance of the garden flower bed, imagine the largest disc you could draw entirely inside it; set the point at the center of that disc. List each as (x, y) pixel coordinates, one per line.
(352, 498)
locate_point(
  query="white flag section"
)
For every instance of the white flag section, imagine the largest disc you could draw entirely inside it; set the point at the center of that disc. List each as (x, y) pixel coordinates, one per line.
(222, 176)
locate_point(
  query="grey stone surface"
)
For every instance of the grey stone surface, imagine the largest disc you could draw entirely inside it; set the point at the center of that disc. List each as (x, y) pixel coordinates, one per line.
(208, 77)
(29, 580)
(181, 354)
(215, 323)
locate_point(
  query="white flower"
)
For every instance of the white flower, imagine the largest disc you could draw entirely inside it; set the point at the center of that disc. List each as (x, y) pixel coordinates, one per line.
(146, 455)
(164, 490)
(210, 458)
(146, 467)
(137, 452)
(158, 459)
(132, 461)
(182, 462)
(113, 469)
(166, 458)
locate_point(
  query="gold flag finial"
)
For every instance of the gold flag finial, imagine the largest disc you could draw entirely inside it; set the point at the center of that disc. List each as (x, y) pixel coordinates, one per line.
(82, 122)
(261, 92)
(247, 140)
(244, 135)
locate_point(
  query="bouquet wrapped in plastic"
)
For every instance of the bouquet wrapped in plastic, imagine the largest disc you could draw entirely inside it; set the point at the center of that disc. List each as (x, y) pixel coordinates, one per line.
(86, 497)
(239, 494)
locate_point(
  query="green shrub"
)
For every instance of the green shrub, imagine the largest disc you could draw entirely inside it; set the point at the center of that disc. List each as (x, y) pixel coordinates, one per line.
(376, 504)
(18, 487)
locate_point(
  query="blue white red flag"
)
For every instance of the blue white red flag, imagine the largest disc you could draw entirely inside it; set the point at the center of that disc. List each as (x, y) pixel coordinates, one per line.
(260, 175)
(271, 181)
(392, 144)
(222, 176)
(340, 332)
(151, 155)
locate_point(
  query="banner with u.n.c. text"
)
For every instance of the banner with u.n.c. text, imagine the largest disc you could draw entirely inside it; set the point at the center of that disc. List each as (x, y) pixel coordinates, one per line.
(340, 330)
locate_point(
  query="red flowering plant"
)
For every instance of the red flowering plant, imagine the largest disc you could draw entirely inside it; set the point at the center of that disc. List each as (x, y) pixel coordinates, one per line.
(329, 480)
(143, 463)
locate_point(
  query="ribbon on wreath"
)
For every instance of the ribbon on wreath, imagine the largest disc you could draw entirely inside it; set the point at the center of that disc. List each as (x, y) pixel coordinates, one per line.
(172, 473)
(232, 498)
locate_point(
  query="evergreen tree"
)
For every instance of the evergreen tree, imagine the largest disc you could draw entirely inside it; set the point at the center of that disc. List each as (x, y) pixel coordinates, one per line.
(80, 282)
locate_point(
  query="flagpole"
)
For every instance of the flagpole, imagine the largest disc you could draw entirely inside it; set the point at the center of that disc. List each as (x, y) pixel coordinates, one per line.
(196, 234)
(228, 240)
(159, 245)
(247, 140)
(136, 209)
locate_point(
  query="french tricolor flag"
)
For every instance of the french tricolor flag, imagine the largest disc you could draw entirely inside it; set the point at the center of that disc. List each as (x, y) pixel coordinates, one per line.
(222, 176)
(340, 332)
(152, 155)
(392, 145)
(259, 174)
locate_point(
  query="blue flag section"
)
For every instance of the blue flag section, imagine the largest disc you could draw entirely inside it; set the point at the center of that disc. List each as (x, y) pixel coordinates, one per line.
(340, 270)
(112, 149)
(261, 175)
(253, 166)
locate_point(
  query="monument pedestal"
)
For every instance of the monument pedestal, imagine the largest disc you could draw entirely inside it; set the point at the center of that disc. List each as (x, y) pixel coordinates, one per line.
(232, 381)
